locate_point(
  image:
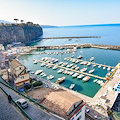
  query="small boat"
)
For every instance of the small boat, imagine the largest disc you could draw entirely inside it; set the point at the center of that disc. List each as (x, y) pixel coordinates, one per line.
(54, 68)
(80, 56)
(28, 70)
(112, 70)
(80, 76)
(94, 65)
(60, 71)
(42, 65)
(83, 70)
(85, 62)
(38, 72)
(60, 80)
(88, 64)
(35, 62)
(92, 59)
(99, 66)
(50, 77)
(108, 68)
(108, 74)
(72, 86)
(104, 68)
(71, 73)
(77, 61)
(32, 72)
(86, 78)
(75, 75)
(91, 71)
(95, 80)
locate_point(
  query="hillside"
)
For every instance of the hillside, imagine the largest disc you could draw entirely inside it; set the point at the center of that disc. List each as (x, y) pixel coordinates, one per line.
(19, 32)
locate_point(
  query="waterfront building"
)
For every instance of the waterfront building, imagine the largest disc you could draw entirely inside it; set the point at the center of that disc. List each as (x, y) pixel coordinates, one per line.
(19, 73)
(66, 105)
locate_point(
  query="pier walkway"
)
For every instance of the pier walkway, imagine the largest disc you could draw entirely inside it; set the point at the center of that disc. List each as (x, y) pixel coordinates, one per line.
(95, 76)
(92, 63)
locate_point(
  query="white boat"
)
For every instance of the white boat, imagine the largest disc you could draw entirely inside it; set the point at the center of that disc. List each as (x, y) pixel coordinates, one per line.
(50, 77)
(35, 62)
(99, 66)
(43, 64)
(101, 84)
(60, 71)
(77, 68)
(80, 56)
(83, 70)
(108, 68)
(80, 76)
(38, 72)
(75, 75)
(95, 80)
(88, 64)
(86, 78)
(32, 72)
(112, 70)
(77, 61)
(92, 58)
(91, 71)
(28, 70)
(71, 73)
(108, 74)
(72, 86)
(85, 62)
(104, 68)
(54, 68)
(94, 65)
(82, 63)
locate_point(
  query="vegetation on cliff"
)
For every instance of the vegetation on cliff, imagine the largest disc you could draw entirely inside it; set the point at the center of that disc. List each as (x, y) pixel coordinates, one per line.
(23, 32)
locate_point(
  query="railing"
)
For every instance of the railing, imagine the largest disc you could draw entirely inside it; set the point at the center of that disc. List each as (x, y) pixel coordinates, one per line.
(22, 111)
(41, 106)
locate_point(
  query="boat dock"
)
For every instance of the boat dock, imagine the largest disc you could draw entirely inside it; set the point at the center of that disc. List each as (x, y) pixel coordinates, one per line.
(95, 76)
(92, 63)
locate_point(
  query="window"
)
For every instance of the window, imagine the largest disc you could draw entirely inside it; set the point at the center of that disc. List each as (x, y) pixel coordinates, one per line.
(79, 117)
(72, 118)
(20, 68)
(22, 77)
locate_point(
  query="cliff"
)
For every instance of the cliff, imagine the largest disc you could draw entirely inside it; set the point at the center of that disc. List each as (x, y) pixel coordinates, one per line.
(19, 32)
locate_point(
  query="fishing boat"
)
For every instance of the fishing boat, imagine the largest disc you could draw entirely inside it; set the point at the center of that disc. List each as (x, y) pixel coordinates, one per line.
(91, 71)
(60, 80)
(86, 78)
(72, 86)
(80, 76)
(38, 72)
(92, 59)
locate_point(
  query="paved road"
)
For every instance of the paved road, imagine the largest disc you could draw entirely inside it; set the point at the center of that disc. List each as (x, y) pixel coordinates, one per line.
(33, 110)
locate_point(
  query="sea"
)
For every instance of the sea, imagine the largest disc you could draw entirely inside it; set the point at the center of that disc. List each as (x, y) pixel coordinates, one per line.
(109, 35)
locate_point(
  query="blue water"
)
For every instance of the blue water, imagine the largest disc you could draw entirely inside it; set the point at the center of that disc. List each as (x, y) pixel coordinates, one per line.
(109, 35)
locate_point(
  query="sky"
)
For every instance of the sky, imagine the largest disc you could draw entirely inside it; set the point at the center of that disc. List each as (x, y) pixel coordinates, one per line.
(61, 12)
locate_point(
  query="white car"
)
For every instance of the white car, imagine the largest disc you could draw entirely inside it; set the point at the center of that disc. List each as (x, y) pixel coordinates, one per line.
(22, 102)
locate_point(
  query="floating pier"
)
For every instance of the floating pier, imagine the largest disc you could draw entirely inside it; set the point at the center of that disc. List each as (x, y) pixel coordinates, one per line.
(95, 76)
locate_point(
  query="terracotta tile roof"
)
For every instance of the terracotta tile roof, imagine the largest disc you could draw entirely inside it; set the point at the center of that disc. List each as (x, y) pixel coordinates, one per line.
(60, 101)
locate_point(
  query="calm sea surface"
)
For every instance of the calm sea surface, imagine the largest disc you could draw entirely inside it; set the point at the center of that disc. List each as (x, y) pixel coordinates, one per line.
(109, 35)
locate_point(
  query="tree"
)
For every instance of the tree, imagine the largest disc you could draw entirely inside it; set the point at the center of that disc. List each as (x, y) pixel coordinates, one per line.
(21, 21)
(16, 20)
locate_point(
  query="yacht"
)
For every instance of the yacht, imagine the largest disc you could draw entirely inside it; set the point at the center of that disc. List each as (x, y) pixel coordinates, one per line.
(91, 71)
(80, 76)
(83, 70)
(80, 56)
(92, 59)
(75, 75)
(60, 80)
(55, 67)
(88, 64)
(72, 86)
(104, 68)
(86, 78)
(38, 72)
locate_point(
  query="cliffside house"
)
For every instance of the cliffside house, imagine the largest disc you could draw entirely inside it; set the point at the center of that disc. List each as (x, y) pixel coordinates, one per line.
(65, 104)
(18, 73)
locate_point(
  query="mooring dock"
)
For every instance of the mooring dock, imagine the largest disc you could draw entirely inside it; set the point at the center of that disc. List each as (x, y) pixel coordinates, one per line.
(95, 76)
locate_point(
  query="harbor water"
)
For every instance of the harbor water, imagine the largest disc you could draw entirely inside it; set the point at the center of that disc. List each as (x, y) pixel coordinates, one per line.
(109, 36)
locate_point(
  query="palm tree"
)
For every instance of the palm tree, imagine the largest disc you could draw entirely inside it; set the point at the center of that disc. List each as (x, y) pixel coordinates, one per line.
(16, 20)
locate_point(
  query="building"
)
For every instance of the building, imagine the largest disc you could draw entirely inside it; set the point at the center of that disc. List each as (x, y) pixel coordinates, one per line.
(65, 104)
(18, 73)
(1, 47)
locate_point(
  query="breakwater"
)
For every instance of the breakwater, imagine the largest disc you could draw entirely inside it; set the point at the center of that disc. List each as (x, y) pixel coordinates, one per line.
(72, 46)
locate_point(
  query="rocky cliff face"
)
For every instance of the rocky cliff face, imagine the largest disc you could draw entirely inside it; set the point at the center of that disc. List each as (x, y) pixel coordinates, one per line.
(19, 33)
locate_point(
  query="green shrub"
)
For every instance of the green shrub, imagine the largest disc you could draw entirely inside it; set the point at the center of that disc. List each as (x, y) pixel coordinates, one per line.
(28, 86)
(37, 83)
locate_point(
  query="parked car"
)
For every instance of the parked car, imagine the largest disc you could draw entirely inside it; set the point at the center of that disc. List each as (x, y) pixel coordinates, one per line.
(22, 102)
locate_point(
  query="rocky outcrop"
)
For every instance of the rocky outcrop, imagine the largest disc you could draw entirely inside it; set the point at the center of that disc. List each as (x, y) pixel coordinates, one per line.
(19, 33)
